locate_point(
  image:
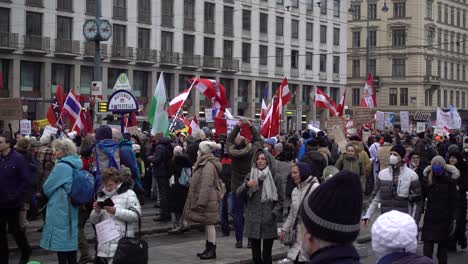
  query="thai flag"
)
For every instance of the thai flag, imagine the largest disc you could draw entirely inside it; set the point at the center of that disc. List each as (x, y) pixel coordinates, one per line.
(72, 108)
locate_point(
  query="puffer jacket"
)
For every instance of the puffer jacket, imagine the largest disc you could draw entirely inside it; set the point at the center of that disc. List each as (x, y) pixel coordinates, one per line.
(396, 197)
(352, 164)
(297, 197)
(203, 198)
(123, 199)
(363, 156)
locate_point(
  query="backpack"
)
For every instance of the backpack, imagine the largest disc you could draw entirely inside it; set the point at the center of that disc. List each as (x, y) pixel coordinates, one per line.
(82, 190)
(185, 176)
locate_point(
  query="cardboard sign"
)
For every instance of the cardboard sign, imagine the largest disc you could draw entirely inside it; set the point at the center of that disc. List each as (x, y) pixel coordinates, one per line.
(340, 138)
(11, 109)
(48, 131)
(389, 120)
(362, 116)
(25, 127)
(380, 120)
(315, 124)
(209, 115)
(334, 121)
(420, 127)
(404, 120)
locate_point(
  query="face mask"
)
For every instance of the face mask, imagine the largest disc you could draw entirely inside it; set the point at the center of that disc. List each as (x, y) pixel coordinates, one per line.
(111, 193)
(437, 168)
(393, 160)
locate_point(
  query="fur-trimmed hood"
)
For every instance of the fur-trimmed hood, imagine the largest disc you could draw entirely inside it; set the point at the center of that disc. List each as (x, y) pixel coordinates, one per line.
(454, 172)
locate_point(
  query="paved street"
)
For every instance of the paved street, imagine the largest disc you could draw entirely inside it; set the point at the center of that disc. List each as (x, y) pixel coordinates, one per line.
(164, 248)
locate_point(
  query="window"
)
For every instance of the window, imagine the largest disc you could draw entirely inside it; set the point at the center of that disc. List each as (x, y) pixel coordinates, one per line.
(4, 20)
(439, 12)
(263, 55)
(398, 68)
(228, 21)
(334, 94)
(65, 5)
(439, 98)
(91, 7)
(439, 39)
(372, 11)
(439, 69)
(246, 20)
(463, 100)
(323, 34)
(144, 11)
(189, 43)
(399, 9)
(446, 14)
(428, 98)
(429, 9)
(392, 96)
(452, 42)
(356, 96)
(279, 57)
(208, 46)
(445, 70)
(458, 72)
(140, 82)
(336, 64)
(166, 41)
(294, 28)
(209, 15)
(227, 49)
(119, 9)
(458, 42)
(61, 75)
(445, 98)
(356, 11)
(323, 7)
(86, 77)
(309, 31)
(451, 71)
(356, 69)
(263, 23)
(309, 60)
(144, 38)
(310, 5)
(373, 66)
(457, 99)
(113, 74)
(372, 38)
(294, 59)
(464, 19)
(119, 35)
(356, 39)
(464, 44)
(452, 16)
(323, 62)
(279, 26)
(458, 17)
(399, 38)
(336, 8)
(428, 67)
(336, 36)
(64, 27)
(463, 73)
(451, 97)
(446, 40)
(33, 24)
(30, 78)
(246, 52)
(430, 38)
(403, 96)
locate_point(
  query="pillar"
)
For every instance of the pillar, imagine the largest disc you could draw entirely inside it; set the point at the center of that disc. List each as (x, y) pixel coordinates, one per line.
(104, 75)
(251, 100)
(234, 94)
(299, 107)
(15, 80)
(76, 78)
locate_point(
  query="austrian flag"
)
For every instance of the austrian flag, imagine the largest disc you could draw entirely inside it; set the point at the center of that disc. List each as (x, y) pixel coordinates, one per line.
(178, 101)
(322, 100)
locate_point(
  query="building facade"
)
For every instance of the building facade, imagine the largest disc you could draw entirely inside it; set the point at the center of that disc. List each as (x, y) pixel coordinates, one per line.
(417, 52)
(248, 45)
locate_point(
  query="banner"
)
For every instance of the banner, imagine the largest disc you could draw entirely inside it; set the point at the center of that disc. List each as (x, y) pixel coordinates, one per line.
(315, 124)
(404, 120)
(209, 115)
(48, 131)
(362, 116)
(389, 120)
(11, 109)
(380, 120)
(25, 127)
(420, 127)
(444, 119)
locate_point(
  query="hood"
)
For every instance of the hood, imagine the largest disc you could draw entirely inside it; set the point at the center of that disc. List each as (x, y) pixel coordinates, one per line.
(107, 143)
(75, 160)
(203, 159)
(271, 162)
(358, 146)
(182, 161)
(454, 172)
(310, 180)
(126, 143)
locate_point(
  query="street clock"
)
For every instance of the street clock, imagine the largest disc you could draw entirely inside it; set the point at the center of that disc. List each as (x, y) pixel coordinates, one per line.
(101, 31)
(105, 30)
(90, 29)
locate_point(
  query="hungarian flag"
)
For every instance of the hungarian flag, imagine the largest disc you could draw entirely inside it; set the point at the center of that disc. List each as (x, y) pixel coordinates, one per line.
(55, 108)
(342, 104)
(322, 100)
(369, 99)
(178, 102)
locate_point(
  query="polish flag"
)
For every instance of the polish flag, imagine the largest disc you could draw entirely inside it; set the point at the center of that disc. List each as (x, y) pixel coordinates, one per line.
(178, 101)
(342, 104)
(369, 99)
(322, 100)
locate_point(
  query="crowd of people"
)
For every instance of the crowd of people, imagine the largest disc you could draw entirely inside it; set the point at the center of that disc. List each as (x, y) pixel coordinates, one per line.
(298, 188)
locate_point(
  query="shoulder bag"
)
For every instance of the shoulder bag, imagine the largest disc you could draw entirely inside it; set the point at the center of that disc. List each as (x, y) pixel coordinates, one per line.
(132, 250)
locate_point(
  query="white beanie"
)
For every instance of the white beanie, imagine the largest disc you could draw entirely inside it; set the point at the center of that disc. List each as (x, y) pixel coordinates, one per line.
(394, 231)
(45, 140)
(207, 147)
(136, 148)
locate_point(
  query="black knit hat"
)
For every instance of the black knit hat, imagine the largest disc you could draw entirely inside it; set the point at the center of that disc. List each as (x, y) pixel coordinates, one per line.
(103, 132)
(304, 170)
(400, 150)
(332, 212)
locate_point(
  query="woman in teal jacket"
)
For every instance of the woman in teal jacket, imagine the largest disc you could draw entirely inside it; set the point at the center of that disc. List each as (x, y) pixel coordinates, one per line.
(60, 231)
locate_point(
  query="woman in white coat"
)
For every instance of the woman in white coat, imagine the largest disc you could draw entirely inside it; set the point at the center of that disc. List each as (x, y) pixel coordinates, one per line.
(305, 184)
(124, 198)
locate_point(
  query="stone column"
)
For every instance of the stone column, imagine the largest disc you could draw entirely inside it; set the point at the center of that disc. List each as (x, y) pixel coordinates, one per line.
(251, 99)
(234, 94)
(15, 80)
(177, 89)
(105, 81)
(76, 78)
(299, 107)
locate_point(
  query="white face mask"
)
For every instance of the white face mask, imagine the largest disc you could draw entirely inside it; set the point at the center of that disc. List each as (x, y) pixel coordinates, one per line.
(393, 160)
(111, 193)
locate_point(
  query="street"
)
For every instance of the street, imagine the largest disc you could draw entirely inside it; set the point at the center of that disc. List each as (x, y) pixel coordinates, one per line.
(165, 248)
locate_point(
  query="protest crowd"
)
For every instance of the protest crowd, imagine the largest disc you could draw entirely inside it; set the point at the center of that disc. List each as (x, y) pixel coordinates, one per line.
(304, 189)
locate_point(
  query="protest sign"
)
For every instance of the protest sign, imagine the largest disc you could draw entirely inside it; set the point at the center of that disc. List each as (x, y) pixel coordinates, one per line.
(334, 121)
(420, 127)
(48, 131)
(340, 138)
(25, 127)
(362, 116)
(106, 231)
(380, 120)
(389, 120)
(209, 115)
(11, 109)
(404, 120)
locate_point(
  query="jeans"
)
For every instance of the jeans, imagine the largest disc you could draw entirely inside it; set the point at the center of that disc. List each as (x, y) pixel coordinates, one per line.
(67, 257)
(163, 187)
(238, 214)
(10, 217)
(259, 256)
(225, 208)
(428, 250)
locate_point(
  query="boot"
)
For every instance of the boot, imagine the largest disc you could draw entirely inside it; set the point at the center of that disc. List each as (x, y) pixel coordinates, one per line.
(210, 253)
(204, 251)
(84, 259)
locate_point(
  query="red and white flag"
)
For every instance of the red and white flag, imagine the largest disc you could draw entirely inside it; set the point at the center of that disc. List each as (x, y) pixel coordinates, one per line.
(284, 92)
(369, 99)
(322, 100)
(342, 104)
(271, 126)
(194, 125)
(264, 110)
(212, 90)
(178, 102)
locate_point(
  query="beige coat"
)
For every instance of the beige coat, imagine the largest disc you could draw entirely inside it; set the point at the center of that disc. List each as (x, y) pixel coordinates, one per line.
(383, 155)
(203, 197)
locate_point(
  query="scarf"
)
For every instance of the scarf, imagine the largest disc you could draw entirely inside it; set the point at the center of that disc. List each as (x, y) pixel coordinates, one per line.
(269, 192)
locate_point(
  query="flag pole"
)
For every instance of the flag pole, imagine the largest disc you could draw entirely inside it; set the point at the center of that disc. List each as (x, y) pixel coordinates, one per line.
(178, 110)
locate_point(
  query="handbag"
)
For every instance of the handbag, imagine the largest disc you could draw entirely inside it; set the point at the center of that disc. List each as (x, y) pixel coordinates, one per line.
(131, 250)
(289, 237)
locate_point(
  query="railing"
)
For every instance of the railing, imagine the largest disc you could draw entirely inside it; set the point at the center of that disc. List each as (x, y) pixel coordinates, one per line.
(189, 24)
(67, 46)
(90, 50)
(211, 62)
(36, 3)
(263, 69)
(38, 43)
(91, 7)
(8, 40)
(294, 72)
(431, 78)
(336, 76)
(322, 75)
(119, 13)
(167, 21)
(209, 27)
(228, 30)
(64, 5)
(230, 64)
(191, 60)
(168, 57)
(279, 71)
(144, 16)
(245, 67)
(145, 55)
(122, 52)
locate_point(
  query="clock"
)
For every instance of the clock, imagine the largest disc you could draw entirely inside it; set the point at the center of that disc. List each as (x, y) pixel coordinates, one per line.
(105, 30)
(90, 29)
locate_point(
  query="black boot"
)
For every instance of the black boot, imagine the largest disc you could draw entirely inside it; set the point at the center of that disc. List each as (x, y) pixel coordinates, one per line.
(210, 253)
(204, 251)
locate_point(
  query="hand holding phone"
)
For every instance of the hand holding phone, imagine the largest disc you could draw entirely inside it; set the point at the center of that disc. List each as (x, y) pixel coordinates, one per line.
(106, 202)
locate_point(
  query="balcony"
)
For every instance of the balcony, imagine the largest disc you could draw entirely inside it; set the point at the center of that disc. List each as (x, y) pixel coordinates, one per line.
(263, 69)
(90, 7)
(264, 37)
(189, 24)
(322, 75)
(144, 17)
(121, 53)
(8, 41)
(294, 72)
(90, 50)
(119, 13)
(67, 48)
(279, 71)
(167, 21)
(246, 34)
(168, 58)
(209, 27)
(211, 63)
(228, 31)
(35, 3)
(36, 44)
(431, 81)
(191, 61)
(245, 67)
(145, 56)
(336, 76)
(230, 65)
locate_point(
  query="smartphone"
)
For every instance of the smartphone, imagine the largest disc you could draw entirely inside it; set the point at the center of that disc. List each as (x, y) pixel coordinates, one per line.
(106, 202)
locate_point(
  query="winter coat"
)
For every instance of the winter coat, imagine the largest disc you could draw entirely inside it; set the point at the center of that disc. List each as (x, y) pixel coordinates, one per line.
(162, 158)
(383, 155)
(123, 199)
(363, 157)
(352, 164)
(261, 218)
(297, 197)
(107, 155)
(242, 157)
(129, 160)
(15, 179)
(177, 192)
(326, 154)
(339, 254)
(396, 197)
(404, 258)
(192, 150)
(374, 150)
(442, 204)
(316, 161)
(60, 232)
(203, 198)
